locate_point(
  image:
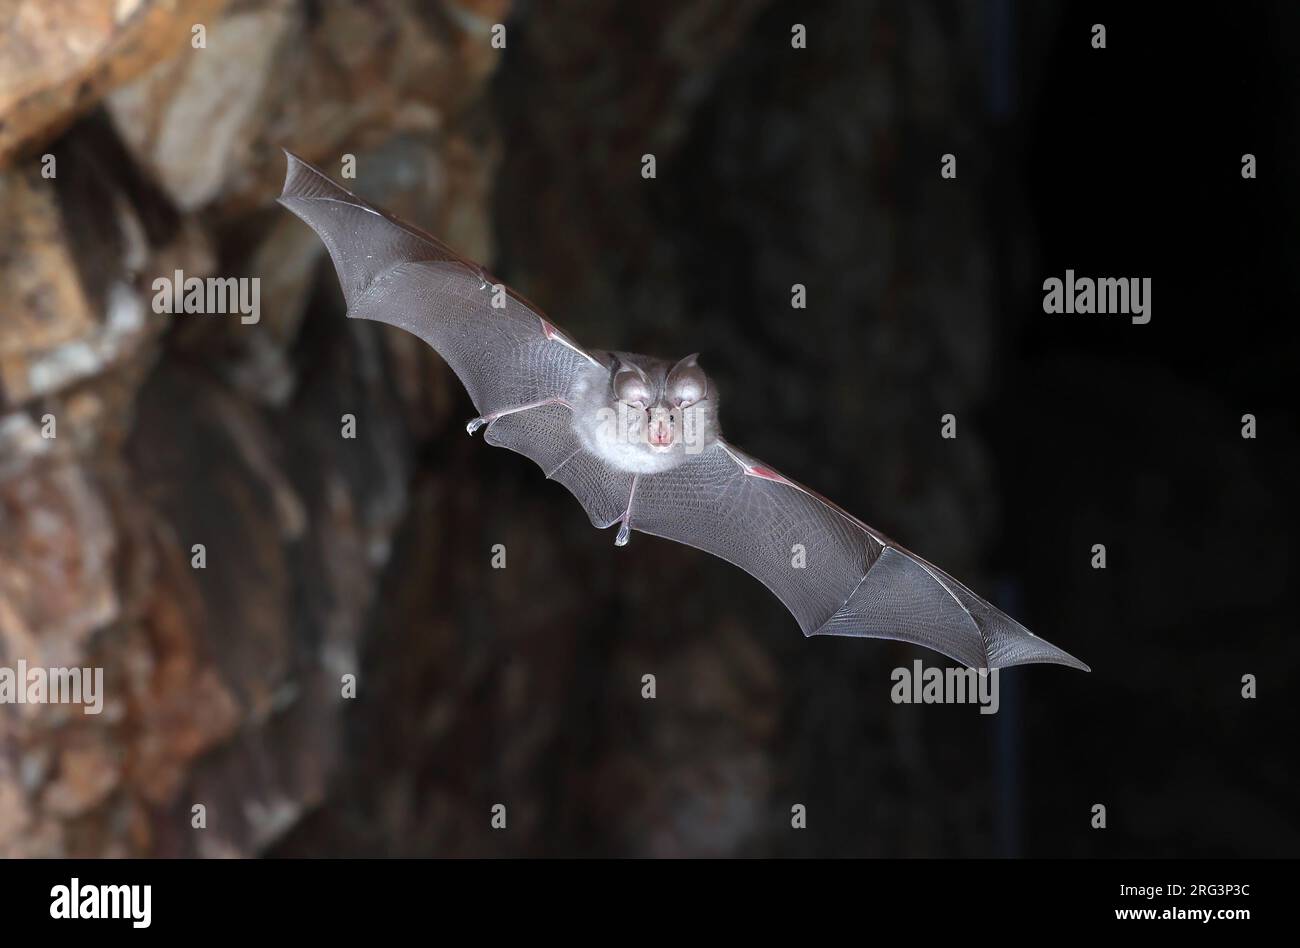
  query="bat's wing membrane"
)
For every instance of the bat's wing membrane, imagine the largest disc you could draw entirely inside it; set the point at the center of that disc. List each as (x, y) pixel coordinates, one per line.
(546, 435)
(833, 572)
(506, 355)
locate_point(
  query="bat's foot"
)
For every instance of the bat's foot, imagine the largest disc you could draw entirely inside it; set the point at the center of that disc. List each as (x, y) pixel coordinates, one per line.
(625, 522)
(474, 424)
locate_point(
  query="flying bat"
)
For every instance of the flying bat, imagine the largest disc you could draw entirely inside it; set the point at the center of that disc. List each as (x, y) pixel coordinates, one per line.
(637, 440)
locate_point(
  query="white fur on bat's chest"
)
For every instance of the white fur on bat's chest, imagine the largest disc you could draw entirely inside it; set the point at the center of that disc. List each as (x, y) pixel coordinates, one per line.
(631, 456)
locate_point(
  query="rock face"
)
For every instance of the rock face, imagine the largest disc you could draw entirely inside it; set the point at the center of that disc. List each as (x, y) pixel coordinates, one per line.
(58, 59)
(136, 447)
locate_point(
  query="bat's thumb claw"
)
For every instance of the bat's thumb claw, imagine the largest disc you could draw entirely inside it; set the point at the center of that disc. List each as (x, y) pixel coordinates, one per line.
(623, 533)
(474, 425)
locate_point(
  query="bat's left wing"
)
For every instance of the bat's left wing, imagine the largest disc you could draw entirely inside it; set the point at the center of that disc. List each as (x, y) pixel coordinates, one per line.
(834, 573)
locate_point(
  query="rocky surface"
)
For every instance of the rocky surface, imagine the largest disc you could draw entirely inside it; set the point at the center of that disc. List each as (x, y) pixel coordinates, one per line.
(57, 60)
(130, 436)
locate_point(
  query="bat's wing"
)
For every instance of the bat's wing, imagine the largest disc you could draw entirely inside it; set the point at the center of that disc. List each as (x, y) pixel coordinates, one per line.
(518, 368)
(508, 356)
(834, 573)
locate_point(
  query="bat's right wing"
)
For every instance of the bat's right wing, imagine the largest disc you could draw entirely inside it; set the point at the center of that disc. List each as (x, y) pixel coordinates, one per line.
(834, 573)
(515, 364)
(502, 349)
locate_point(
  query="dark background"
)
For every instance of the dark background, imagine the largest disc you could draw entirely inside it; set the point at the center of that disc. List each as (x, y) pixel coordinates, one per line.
(775, 166)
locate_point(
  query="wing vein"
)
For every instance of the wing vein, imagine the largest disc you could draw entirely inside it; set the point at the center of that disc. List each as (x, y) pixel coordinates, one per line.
(983, 641)
(847, 599)
(555, 470)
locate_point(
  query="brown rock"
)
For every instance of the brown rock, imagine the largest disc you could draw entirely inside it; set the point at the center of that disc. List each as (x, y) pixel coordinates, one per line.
(58, 59)
(46, 307)
(87, 775)
(210, 123)
(56, 582)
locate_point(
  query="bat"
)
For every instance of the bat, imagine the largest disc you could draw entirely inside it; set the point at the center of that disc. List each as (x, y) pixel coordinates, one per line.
(636, 439)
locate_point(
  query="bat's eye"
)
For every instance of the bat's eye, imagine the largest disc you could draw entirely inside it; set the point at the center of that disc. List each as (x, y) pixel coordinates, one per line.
(631, 388)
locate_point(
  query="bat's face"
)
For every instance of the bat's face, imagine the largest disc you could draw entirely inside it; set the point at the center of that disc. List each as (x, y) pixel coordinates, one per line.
(651, 414)
(660, 404)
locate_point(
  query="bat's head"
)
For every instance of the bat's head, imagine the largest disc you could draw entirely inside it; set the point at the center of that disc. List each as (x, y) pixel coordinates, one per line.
(667, 406)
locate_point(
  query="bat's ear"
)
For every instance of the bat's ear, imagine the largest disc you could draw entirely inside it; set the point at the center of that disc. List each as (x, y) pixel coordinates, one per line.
(623, 365)
(690, 362)
(686, 383)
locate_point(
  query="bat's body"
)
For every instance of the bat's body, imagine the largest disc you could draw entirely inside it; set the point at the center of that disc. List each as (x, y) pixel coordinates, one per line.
(636, 439)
